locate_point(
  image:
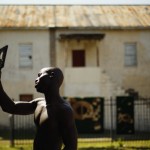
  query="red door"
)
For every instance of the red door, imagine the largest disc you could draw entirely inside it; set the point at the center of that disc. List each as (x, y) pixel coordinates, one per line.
(78, 58)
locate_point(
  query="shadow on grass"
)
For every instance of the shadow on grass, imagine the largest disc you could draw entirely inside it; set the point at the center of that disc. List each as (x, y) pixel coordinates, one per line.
(112, 148)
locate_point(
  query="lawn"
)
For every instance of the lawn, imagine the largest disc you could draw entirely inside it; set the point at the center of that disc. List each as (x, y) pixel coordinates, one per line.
(117, 145)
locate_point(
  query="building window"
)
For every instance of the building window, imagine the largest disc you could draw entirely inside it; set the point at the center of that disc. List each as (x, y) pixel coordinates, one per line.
(26, 97)
(78, 58)
(130, 54)
(25, 55)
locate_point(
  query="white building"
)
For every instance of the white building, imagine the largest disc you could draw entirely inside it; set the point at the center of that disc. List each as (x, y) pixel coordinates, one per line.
(102, 50)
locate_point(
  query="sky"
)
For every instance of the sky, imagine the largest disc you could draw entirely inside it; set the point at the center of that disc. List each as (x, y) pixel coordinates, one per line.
(110, 2)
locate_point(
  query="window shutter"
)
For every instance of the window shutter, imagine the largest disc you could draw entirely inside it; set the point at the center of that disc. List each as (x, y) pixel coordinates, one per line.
(25, 57)
(130, 54)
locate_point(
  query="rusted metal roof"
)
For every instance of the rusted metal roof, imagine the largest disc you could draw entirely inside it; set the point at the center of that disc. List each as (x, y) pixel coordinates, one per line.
(73, 16)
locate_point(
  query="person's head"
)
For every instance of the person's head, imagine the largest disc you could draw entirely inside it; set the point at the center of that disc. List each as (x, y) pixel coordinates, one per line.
(49, 79)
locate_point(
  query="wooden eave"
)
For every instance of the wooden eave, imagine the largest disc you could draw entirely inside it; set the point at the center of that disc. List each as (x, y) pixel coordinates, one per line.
(81, 36)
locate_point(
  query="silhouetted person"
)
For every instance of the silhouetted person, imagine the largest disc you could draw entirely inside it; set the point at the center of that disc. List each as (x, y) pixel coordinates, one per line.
(53, 116)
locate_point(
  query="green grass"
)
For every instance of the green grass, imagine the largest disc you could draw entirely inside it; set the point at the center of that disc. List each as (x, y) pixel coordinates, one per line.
(117, 145)
(5, 145)
(89, 145)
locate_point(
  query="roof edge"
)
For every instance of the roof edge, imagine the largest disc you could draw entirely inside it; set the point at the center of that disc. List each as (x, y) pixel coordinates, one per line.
(78, 28)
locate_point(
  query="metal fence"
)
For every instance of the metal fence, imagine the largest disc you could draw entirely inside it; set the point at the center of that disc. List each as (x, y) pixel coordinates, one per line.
(22, 127)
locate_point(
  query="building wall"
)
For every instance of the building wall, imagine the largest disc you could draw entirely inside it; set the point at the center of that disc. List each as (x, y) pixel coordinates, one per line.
(23, 78)
(18, 80)
(111, 60)
(127, 77)
(105, 70)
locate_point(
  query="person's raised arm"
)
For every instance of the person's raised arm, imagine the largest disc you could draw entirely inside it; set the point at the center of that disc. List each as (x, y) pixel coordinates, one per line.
(9, 106)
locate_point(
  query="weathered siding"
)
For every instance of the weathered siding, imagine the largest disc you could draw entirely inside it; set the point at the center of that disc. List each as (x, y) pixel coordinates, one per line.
(18, 80)
(111, 61)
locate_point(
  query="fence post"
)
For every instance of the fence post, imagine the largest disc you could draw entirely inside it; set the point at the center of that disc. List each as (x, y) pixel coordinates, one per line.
(12, 144)
(111, 119)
